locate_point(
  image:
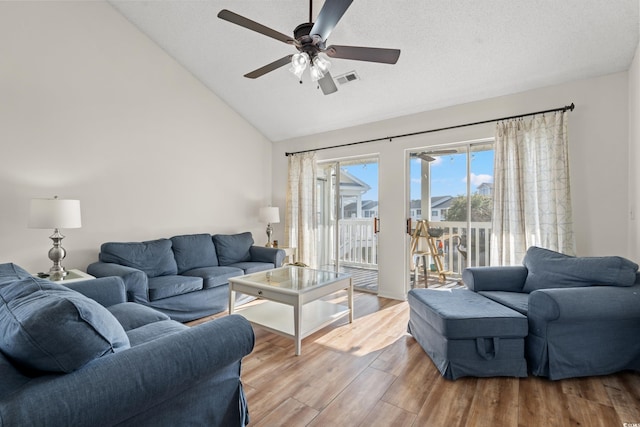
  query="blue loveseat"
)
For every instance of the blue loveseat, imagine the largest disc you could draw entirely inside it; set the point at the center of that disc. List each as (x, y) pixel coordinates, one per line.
(583, 312)
(85, 357)
(186, 276)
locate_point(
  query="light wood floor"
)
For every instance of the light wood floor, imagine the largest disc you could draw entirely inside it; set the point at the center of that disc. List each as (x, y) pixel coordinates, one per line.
(372, 373)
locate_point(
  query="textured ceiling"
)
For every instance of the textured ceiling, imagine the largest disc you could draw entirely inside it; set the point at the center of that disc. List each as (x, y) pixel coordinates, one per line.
(453, 52)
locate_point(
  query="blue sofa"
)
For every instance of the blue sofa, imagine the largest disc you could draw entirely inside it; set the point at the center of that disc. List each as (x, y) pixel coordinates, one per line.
(583, 312)
(85, 357)
(186, 276)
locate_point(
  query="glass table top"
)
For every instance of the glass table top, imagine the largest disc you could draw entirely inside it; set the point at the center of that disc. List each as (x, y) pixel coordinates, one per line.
(292, 278)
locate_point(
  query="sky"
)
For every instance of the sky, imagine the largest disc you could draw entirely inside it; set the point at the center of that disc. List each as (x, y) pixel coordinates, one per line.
(448, 174)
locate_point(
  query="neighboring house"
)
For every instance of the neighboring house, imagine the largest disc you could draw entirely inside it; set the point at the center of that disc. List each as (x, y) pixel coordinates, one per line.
(439, 206)
(351, 191)
(369, 209)
(485, 189)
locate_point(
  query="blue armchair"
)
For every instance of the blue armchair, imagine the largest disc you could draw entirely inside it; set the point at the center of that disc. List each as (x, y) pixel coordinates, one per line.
(583, 312)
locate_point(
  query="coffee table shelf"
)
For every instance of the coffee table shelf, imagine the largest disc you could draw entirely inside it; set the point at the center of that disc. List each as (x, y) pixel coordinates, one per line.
(293, 303)
(278, 318)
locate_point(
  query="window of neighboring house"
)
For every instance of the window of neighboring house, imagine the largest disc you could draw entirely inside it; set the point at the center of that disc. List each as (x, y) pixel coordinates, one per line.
(418, 211)
(434, 213)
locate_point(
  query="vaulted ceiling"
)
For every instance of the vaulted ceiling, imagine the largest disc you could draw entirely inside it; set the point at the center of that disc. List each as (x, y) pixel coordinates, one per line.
(452, 52)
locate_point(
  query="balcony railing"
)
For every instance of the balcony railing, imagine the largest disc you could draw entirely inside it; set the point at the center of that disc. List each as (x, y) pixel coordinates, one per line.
(476, 244)
(359, 243)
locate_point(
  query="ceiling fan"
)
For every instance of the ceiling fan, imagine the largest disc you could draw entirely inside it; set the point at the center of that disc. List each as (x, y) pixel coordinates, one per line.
(310, 39)
(427, 155)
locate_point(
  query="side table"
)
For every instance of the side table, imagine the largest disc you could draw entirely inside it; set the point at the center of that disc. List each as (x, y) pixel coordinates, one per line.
(73, 275)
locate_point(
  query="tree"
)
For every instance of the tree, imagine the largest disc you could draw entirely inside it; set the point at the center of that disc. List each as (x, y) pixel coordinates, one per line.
(481, 209)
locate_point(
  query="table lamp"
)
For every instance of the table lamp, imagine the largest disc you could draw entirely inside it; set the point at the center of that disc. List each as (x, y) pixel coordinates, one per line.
(55, 213)
(270, 215)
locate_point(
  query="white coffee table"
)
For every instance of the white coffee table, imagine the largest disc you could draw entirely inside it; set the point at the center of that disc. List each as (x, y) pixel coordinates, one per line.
(294, 307)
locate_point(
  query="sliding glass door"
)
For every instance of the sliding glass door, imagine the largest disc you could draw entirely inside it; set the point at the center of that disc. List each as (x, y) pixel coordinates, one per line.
(348, 219)
(451, 191)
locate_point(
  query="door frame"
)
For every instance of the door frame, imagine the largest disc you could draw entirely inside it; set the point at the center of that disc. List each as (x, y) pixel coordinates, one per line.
(337, 164)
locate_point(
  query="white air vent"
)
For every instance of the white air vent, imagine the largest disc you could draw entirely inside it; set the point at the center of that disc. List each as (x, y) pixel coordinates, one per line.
(349, 77)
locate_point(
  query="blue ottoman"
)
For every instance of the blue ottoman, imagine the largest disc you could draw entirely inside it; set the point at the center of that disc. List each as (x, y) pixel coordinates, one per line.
(466, 334)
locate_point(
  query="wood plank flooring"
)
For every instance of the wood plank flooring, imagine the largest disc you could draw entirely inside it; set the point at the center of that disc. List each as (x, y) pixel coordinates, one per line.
(372, 373)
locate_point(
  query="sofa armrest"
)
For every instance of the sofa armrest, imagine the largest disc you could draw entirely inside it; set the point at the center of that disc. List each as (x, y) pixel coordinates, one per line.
(150, 377)
(506, 278)
(135, 281)
(107, 291)
(274, 256)
(591, 303)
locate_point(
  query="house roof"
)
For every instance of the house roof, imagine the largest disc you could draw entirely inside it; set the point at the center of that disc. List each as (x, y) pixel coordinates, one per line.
(437, 202)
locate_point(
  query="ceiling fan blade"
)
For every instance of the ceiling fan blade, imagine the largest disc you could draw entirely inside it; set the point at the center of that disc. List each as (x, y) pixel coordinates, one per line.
(269, 67)
(327, 84)
(442, 152)
(329, 15)
(371, 54)
(234, 18)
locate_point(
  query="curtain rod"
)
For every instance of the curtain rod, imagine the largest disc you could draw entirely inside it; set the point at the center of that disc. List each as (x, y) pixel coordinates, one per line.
(390, 138)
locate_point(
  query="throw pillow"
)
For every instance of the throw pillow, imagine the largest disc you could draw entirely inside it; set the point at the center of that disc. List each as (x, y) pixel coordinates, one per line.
(194, 251)
(48, 327)
(10, 272)
(548, 269)
(233, 248)
(154, 257)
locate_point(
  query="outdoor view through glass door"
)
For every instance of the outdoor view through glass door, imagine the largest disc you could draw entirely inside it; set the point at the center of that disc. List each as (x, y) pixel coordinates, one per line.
(446, 184)
(348, 219)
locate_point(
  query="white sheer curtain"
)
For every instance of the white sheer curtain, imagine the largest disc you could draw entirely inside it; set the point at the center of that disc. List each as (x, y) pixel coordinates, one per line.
(301, 215)
(532, 197)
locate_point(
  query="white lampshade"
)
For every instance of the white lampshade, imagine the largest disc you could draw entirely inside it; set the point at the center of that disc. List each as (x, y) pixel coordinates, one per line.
(54, 213)
(270, 215)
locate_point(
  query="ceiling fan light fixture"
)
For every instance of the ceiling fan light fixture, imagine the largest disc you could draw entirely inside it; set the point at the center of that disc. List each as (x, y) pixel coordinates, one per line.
(299, 63)
(316, 73)
(323, 64)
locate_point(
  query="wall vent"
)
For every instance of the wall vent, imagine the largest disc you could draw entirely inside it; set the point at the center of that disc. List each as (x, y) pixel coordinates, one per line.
(349, 77)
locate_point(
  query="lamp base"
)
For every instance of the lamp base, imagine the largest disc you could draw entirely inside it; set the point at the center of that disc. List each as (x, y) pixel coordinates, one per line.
(57, 254)
(269, 233)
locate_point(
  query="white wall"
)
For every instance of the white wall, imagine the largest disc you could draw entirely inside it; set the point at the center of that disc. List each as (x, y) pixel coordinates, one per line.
(598, 138)
(634, 156)
(92, 109)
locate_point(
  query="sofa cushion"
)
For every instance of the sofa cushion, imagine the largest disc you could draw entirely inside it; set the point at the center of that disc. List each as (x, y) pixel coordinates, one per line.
(132, 315)
(48, 327)
(232, 248)
(169, 286)
(153, 331)
(253, 267)
(517, 301)
(464, 314)
(194, 251)
(548, 269)
(215, 276)
(154, 257)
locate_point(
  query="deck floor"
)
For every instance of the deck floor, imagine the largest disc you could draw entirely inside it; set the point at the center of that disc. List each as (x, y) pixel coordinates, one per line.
(366, 279)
